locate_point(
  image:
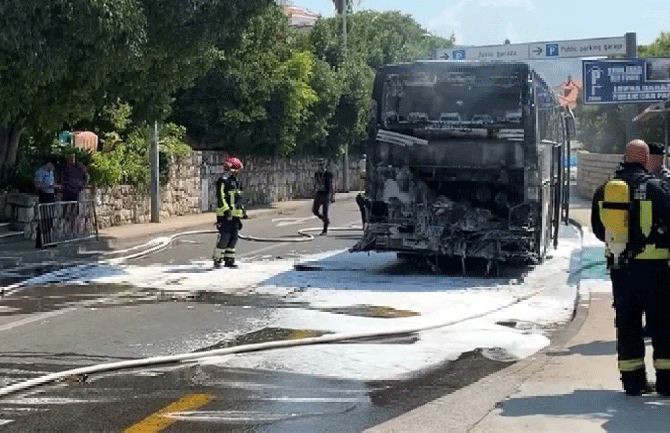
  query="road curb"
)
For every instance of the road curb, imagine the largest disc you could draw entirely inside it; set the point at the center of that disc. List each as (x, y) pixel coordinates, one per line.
(143, 241)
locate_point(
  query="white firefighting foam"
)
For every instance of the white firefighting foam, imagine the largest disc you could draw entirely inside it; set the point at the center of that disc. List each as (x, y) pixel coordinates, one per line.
(337, 286)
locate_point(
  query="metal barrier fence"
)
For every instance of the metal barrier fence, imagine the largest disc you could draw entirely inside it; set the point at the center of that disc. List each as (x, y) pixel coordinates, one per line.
(66, 221)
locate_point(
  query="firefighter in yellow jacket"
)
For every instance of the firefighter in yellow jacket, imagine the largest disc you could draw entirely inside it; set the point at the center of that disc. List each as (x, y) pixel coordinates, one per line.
(229, 213)
(631, 214)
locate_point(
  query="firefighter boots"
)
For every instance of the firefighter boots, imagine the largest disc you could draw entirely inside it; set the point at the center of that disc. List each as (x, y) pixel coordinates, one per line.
(635, 382)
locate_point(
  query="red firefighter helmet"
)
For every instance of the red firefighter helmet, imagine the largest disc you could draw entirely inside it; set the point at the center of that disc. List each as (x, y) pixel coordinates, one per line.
(232, 164)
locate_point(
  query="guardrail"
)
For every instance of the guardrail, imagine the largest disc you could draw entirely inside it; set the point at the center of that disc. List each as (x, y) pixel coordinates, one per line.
(66, 221)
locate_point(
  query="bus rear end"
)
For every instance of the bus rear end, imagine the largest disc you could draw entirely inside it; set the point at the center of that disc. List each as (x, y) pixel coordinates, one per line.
(462, 185)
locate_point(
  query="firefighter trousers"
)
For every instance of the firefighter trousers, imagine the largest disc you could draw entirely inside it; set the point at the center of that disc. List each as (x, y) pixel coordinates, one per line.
(228, 235)
(643, 287)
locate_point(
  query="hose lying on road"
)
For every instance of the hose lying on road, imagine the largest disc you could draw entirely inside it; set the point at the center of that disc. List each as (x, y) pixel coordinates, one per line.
(159, 244)
(257, 347)
(170, 359)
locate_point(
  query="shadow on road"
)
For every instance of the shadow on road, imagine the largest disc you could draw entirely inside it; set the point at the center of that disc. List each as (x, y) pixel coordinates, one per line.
(619, 412)
(595, 348)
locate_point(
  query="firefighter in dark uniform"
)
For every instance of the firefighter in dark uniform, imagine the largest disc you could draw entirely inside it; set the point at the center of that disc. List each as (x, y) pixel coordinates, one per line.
(655, 164)
(229, 213)
(631, 214)
(323, 181)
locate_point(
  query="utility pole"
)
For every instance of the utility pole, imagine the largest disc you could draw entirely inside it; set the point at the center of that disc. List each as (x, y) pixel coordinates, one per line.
(155, 181)
(345, 174)
(630, 110)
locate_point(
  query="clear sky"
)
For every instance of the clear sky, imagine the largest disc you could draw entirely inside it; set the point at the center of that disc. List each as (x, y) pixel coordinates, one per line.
(490, 22)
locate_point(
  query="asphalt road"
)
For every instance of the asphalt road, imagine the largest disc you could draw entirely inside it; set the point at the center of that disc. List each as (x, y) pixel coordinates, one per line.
(52, 328)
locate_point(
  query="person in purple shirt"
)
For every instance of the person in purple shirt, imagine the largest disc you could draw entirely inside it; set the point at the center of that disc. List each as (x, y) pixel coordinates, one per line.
(73, 178)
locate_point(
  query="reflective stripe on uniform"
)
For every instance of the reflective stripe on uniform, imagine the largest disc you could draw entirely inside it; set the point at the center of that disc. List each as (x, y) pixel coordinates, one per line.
(219, 253)
(631, 364)
(224, 207)
(645, 217)
(229, 253)
(236, 211)
(662, 364)
(652, 253)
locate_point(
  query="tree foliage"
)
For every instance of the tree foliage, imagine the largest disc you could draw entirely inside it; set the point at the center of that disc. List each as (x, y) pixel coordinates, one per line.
(232, 71)
(602, 129)
(374, 39)
(660, 47)
(257, 97)
(654, 128)
(380, 37)
(62, 60)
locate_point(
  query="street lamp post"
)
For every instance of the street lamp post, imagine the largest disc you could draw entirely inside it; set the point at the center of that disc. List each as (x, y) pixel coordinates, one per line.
(345, 174)
(155, 179)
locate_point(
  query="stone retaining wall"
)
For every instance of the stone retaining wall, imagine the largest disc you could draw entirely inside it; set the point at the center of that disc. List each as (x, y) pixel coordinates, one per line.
(191, 189)
(267, 180)
(594, 169)
(125, 204)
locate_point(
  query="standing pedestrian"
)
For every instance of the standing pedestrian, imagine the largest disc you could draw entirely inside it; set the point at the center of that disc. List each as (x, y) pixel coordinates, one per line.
(73, 178)
(323, 186)
(229, 213)
(45, 184)
(656, 165)
(629, 213)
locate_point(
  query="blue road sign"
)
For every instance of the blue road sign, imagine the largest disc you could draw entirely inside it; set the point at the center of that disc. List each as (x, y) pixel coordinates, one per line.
(621, 82)
(459, 54)
(552, 50)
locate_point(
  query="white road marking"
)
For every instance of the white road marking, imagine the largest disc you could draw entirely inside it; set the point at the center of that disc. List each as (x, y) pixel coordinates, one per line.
(283, 222)
(32, 319)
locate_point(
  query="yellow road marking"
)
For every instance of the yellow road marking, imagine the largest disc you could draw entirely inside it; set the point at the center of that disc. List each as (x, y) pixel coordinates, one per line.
(158, 421)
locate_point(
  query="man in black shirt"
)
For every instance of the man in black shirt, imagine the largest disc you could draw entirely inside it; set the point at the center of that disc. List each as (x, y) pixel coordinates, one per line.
(323, 180)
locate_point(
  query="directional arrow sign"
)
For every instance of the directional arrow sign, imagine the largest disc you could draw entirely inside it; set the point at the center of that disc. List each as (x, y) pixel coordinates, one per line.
(598, 47)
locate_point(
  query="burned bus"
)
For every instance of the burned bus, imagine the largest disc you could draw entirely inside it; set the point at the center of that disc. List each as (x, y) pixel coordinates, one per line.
(465, 160)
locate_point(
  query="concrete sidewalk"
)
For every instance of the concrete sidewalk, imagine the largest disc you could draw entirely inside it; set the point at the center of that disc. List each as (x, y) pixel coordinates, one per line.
(572, 385)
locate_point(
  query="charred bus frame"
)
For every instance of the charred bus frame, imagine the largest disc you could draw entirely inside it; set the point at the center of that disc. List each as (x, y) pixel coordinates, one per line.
(465, 160)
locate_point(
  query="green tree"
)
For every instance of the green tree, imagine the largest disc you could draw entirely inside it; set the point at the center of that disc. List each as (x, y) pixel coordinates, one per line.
(380, 37)
(654, 128)
(347, 126)
(257, 97)
(61, 60)
(374, 39)
(602, 129)
(54, 55)
(660, 47)
(317, 126)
